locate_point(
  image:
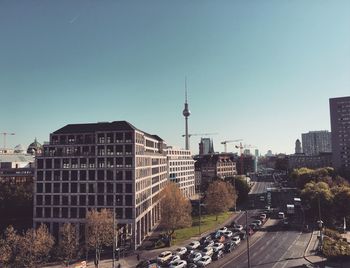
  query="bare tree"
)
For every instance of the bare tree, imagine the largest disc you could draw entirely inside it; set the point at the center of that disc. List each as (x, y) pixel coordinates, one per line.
(68, 243)
(100, 231)
(175, 210)
(220, 197)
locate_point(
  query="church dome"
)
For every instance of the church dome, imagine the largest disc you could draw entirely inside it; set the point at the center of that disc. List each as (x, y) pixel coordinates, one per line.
(35, 147)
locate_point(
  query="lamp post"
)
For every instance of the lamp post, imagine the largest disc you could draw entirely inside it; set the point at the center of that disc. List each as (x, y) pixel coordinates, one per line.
(247, 233)
(320, 222)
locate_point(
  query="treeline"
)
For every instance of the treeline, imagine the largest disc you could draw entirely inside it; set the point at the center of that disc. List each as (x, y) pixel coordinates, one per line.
(37, 246)
(324, 189)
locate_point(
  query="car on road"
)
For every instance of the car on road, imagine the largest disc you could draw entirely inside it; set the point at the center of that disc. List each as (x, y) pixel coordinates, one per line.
(238, 228)
(229, 246)
(222, 229)
(205, 239)
(258, 222)
(164, 256)
(147, 264)
(217, 255)
(263, 217)
(204, 261)
(193, 245)
(174, 258)
(178, 264)
(180, 251)
(228, 234)
(236, 240)
(242, 235)
(208, 244)
(281, 215)
(194, 257)
(218, 246)
(207, 251)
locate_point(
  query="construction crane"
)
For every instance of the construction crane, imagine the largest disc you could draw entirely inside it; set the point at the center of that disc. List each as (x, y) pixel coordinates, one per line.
(241, 147)
(5, 134)
(199, 134)
(225, 143)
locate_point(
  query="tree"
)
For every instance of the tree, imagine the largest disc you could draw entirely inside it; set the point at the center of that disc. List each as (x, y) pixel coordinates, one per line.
(68, 243)
(219, 197)
(9, 247)
(175, 210)
(319, 197)
(100, 231)
(241, 188)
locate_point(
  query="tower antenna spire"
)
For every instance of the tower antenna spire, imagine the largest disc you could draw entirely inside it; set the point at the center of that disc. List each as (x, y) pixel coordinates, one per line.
(186, 113)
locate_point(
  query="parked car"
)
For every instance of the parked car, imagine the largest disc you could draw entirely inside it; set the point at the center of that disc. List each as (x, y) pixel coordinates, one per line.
(174, 258)
(193, 245)
(180, 251)
(228, 234)
(236, 240)
(207, 251)
(146, 264)
(208, 244)
(238, 228)
(217, 255)
(187, 254)
(263, 217)
(222, 229)
(242, 235)
(204, 261)
(178, 264)
(218, 246)
(205, 239)
(164, 256)
(229, 246)
(254, 226)
(281, 215)
(258, 222)
(194, 257)
(192, 265)
(220, 239)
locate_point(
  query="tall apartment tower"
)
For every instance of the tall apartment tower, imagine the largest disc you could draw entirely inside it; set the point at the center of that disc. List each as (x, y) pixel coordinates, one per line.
(315, 142)
(298, 149)
(340, 127)
(181, 170)
(101, 165)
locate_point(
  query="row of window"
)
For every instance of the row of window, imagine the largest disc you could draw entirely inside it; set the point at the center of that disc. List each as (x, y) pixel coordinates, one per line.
(91, 138)
(84, 200)
(90, 188)
(84, 175)
(76, 213)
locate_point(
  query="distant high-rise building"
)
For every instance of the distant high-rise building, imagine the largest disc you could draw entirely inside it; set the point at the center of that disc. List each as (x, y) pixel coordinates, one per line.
(340, 127)
(256, 152)
(315, 142)
(246, 152)
(298, 147)
(206, 146)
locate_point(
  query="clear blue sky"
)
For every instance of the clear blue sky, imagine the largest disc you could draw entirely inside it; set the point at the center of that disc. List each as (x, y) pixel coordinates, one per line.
(258, 70)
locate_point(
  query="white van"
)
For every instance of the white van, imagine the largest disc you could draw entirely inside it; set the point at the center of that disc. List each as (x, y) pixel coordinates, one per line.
(281, 215)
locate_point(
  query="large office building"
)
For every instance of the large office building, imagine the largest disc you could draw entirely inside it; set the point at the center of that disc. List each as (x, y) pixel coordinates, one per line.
(340, 128)
(206, 146)
(181, 170)
(101, 165)
(315, 142)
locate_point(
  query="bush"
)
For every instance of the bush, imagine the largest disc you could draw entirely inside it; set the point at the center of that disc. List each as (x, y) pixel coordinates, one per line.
(332, 234)
(335, 249)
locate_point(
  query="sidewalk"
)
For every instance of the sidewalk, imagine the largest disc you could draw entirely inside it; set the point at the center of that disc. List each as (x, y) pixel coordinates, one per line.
(311, 252)
(131, 261)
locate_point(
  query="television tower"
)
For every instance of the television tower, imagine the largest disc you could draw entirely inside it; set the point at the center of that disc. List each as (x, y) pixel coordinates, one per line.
(186, 113)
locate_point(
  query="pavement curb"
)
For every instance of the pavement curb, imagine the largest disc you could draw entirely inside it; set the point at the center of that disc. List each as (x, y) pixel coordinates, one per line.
(307, 248)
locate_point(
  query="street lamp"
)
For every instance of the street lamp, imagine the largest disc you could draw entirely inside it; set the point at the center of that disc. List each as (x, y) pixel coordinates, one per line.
(247, 233)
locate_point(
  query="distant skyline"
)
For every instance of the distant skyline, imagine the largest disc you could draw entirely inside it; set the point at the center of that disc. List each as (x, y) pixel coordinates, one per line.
(262, 71)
